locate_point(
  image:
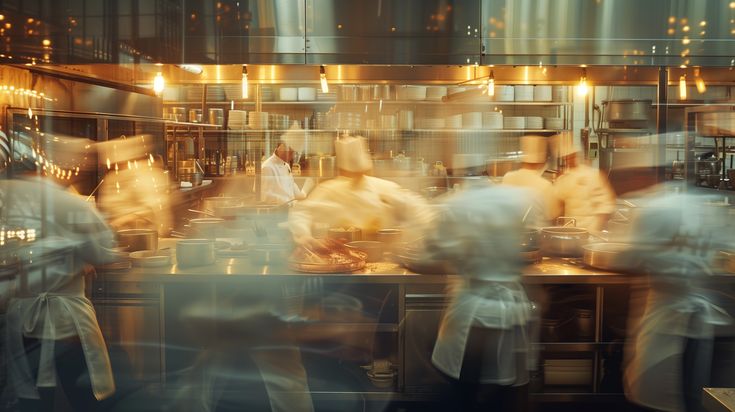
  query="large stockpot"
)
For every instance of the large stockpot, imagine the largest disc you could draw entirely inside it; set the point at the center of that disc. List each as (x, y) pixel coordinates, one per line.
(606, 256)
(321, 166)
(138, 239)
(626, 110)
(563, 240)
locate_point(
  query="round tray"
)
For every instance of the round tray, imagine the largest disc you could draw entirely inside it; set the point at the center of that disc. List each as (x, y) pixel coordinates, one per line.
(321, 268)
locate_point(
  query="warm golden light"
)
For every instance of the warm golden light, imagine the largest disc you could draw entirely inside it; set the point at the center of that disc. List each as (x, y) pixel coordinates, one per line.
(582, 87)
(245, 85)
(46, 42)
(491, 84)
(699, 81)
(158, 83)
(323, 79)
(683, 87)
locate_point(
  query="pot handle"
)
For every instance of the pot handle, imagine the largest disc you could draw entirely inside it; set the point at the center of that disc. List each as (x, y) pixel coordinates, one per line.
(565, 221)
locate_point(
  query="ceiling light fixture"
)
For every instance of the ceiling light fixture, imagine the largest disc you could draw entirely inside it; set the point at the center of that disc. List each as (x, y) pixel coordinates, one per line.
(683, 87)
(582, 87)
(699, 81)
(158, 83)
(245, 85)
(323, 79)
(491, 84)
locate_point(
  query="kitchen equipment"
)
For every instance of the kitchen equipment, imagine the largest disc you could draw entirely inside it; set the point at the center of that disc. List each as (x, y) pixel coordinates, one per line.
(194, 252)
(307, 94)
(626, 111)
(553, 123)
(530, 239)
(237, 119)
(357, 263)
(138, 239)
(413, 260)
(150, 258)
(542, 93)
(348, 93)
(605, 256)
(531, 255)
(514, 122)
(288, 94)
(720, 123)
(195, 115)
(388, 121)
(576, 372)
(207, 227)
(321, 166)
(195, 178)
(216, 116)
(210, 204)
(504, 93)
(178, 114)
(373, 250)
(405, 119)
(559, 93)
(585, 322)
(345, 235)
(534, 122)
(381, 92)
(563, 240)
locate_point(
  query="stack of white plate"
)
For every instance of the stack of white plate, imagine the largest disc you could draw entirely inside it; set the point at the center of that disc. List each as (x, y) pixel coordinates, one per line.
(453, 122)
(553, 123)
(288, 94)
(258, 120)
(436, 123)
(436, 93)
(504, 93)
(524, 93)
(307, 94)
(388, 121)
(514, 122)
(534, 122)
(542, 93)
(559, 93)
(492, 120)
(411, 92)
(236, 119)
(472, 120)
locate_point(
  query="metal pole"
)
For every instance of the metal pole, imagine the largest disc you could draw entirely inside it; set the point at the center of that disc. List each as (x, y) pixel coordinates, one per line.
(661, 120)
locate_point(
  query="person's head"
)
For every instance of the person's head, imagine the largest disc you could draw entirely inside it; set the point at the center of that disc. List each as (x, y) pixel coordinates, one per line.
(353, 159)
(283, 151)
(533, 151)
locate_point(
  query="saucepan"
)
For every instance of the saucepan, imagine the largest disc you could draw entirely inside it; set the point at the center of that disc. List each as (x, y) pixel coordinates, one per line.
(606, 256)
(563, 240)
(138, 239)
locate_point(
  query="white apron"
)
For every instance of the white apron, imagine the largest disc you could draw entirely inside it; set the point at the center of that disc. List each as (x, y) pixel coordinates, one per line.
(490, 304)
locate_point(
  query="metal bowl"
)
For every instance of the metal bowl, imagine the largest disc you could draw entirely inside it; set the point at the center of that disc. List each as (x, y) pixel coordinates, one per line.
(563, 241)
(138, 239)
(606, 256)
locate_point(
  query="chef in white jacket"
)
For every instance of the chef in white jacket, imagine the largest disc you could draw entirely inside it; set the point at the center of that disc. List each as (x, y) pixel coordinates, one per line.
(355, 199)
(670, 345)
(53, 337)
(533, 152)
(484, 340)
(277, 184)
(582, 192)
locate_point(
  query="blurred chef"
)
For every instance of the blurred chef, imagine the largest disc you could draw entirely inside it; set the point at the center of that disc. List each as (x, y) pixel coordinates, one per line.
(582, 192)
(533, 152)
(484, 340)
(354, 199)
(277, 181)
(134, 192)
(670, 348)
(53, 339)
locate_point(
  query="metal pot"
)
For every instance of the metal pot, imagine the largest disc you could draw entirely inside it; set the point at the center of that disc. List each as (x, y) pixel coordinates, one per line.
(207, 227)
(373, 249)
(530, 255)
(322, 166)
(626, 110)
(605, 256)
(195, 252)
(563, 240)
(529, 239)
(195, 179)
(138, 239)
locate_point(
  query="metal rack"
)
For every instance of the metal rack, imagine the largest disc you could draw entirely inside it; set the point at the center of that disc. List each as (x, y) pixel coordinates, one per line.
(694, 129)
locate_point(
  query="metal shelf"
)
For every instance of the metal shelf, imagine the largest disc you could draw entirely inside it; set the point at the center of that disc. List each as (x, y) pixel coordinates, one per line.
(371, 102)
(233, 131)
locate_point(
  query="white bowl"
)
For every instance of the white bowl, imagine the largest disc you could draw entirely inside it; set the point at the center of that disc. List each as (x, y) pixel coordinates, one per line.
(504, 93)
(514, 122)
(534, 122)
(524, 93)
(553, 123)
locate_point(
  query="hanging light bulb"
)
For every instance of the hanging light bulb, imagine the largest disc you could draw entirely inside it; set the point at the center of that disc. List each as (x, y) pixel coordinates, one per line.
(699, 81)
(323, 79)
(244, 81)
(158, 83)
(491, 84)
(683, 87)
(582, 87)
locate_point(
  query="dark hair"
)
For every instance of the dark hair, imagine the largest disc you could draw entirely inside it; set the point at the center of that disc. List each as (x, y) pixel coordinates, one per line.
(280, 142)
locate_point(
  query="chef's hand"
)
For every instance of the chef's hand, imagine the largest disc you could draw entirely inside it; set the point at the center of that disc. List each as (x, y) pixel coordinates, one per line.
(308, 185)
(313, 244)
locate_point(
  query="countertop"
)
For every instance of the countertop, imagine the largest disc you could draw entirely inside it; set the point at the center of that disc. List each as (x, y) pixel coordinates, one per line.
(719, 399)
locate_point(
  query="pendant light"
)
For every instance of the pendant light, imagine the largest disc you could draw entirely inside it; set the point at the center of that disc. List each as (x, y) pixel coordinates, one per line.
(699, 81)
(323, 79)
(683, 87)
(245, 85)
(158, 83)
(582, 87)
(491, 84)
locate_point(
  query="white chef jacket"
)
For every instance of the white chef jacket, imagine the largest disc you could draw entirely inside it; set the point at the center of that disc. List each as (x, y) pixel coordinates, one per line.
(673, 245)
(542, 196)
(49, 301)
(479, 234)
(584, 194)
(277, 183)
(368, 203)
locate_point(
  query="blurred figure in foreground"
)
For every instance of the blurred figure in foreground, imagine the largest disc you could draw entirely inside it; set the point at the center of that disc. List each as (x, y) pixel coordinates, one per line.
(134, 193)
(484, 341)
(582, 192)
(669, 358)
(52, 333)
(355, 199)
(533, 149)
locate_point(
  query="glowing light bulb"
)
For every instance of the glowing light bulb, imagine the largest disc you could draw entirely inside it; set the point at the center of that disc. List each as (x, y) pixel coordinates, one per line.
(323, 80)
(683, 87)
(244, 82)
(158, 83)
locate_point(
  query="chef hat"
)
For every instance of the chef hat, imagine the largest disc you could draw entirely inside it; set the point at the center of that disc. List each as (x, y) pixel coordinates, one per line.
(295, 138)
(124, 149)
(566, 144)
(533, 149)
(352, 154)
